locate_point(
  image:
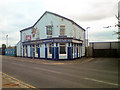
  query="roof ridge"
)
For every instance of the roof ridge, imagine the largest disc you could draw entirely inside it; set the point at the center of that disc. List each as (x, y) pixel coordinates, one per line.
(56, 15)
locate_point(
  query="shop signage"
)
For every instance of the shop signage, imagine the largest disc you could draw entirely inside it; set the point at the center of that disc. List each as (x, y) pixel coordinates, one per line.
(50, 41)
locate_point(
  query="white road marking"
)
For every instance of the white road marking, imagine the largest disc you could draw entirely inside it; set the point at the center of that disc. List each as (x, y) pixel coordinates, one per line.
(91, 79)
(46, 70)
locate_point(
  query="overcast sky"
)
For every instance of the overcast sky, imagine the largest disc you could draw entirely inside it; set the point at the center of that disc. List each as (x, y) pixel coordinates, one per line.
(16, 15)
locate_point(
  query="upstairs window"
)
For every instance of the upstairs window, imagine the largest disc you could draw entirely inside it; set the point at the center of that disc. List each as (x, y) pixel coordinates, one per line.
(62, 30)
(49, 30)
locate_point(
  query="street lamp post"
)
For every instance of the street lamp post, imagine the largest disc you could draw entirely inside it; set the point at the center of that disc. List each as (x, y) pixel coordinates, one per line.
(7, 40)
(87, 39)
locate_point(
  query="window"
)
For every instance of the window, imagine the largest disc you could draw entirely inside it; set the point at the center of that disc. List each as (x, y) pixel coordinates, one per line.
(49, 30)
(75, 49)
(36, 50)
(28, 37)
(78, 49)
(25, 51)
(62, 30)
(50, 48)
(62, 48)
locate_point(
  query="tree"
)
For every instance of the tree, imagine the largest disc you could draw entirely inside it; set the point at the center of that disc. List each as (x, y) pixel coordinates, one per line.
(9, 46)
(118, 33)
(3, 49)
(3, 45)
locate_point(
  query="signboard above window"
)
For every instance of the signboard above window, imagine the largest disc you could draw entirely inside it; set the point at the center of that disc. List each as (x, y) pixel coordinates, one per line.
(28, 37)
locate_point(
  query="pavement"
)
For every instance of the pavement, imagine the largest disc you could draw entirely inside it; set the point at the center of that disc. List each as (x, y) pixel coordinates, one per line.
(43, 61)
(11, 82)
(80, 73)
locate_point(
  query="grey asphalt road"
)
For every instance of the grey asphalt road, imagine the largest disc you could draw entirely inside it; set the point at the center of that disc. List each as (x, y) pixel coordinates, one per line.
(98, 73)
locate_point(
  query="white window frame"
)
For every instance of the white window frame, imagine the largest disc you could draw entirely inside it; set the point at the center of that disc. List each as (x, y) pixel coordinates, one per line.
(36, 54)
(65, 49)
(51, 29)
(49, 54)
(74, 50)
(78, 49)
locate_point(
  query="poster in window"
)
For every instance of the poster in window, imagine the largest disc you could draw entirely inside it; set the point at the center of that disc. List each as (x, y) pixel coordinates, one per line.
(28, 37)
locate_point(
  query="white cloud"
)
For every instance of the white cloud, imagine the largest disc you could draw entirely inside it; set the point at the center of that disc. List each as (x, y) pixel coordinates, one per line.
(19, 14)
(16, 15)
(83, 9)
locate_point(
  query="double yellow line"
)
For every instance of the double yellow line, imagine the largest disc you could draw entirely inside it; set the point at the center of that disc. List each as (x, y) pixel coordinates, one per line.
(18, 81)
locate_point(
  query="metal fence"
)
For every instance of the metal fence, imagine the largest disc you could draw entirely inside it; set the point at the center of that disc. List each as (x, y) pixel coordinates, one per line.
(104, 49)
(10, 52)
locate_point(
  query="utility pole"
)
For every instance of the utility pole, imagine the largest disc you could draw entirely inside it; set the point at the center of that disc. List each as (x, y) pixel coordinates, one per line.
(87, 40)
(118, 17)
(119, 20)
(7, 40)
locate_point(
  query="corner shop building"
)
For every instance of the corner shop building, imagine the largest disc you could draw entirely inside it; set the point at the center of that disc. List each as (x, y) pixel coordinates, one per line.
(52, 37)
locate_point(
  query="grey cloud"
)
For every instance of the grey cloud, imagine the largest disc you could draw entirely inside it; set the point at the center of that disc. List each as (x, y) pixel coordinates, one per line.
(97, 11)
(103, 35)
(17, 15)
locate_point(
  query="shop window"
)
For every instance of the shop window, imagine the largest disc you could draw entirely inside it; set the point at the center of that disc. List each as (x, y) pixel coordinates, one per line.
(36, 50)
(62, 48)
(50, 48)
(62, 30)
(25, 47)
(75, 49)
(78, 49)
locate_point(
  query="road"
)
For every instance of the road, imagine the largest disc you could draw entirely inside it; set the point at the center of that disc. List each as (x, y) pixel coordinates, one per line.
(96, 73)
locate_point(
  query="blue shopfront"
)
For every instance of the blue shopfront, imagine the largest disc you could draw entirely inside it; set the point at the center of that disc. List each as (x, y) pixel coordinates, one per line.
(10, 52)
(53, 48)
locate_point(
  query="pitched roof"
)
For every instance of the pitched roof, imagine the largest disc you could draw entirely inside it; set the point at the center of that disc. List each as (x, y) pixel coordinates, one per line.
(55, 15)
(26, 28)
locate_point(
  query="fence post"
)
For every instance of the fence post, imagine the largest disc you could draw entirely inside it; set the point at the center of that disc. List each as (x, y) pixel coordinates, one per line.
(93, 49)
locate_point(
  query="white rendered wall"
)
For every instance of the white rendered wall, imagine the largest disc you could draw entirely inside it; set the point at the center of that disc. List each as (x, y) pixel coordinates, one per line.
(42, 51)
(28, 49)
(18, 49)
(50, 19)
